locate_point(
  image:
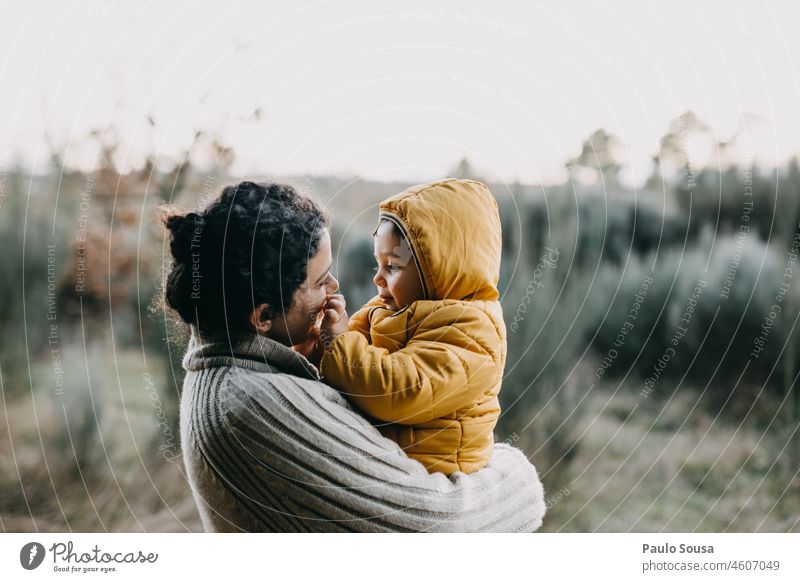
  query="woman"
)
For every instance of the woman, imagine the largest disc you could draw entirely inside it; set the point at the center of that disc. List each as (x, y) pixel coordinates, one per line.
(267, 445)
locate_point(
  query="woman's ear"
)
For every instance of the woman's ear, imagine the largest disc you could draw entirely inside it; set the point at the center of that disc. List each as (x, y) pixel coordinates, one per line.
(261, 319)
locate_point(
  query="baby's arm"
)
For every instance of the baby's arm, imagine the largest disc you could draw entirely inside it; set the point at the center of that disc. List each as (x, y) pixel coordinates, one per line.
(359, 321)
(442, 368)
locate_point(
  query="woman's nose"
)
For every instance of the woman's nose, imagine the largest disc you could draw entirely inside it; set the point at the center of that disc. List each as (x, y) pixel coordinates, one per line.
(333, 284)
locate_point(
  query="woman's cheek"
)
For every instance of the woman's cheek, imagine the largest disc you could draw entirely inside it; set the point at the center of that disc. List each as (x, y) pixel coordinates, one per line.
(320, 297)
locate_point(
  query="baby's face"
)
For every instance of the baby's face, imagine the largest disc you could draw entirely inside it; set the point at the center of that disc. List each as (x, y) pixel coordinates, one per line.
(396, 276)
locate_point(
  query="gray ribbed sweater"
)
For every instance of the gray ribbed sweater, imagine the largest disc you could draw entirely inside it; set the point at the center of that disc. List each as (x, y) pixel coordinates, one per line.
(268, 447)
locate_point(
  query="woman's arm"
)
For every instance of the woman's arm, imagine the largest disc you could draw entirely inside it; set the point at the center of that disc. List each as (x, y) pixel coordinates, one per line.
(307, 447)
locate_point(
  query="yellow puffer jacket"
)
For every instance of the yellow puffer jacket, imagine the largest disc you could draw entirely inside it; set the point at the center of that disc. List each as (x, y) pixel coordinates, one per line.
(432, 371)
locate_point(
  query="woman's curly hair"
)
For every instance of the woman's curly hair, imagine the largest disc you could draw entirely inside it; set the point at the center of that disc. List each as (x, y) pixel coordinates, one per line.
(250, 245)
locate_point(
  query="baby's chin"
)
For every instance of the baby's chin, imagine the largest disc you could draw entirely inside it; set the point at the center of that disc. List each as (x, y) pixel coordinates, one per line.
(390, 304)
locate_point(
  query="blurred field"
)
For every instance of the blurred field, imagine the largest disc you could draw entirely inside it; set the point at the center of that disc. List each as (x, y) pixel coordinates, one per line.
(90, 367)
(89, 460)
(674, 468)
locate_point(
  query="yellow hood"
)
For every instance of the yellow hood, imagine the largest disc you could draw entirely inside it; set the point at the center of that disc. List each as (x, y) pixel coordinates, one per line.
(454, 230)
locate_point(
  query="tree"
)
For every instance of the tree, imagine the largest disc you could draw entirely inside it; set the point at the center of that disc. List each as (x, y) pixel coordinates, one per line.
(676, 155)
(600, 158)
(463, 170)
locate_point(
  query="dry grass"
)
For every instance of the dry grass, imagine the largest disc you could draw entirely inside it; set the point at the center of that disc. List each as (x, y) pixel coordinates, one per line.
(89, 460)
(673, 467)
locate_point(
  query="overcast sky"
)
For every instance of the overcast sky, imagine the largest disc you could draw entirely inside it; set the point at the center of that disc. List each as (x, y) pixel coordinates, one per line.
(394, 93)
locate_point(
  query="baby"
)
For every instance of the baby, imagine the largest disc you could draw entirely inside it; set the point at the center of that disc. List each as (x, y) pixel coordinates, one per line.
(426, 355)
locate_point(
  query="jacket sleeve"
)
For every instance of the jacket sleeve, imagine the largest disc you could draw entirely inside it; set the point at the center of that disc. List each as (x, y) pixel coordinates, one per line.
(442, 368)
(359, 321)
(302, 440)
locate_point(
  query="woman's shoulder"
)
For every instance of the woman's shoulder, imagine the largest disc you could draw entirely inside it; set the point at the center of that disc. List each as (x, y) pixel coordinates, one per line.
(246, 388)
(284, 410)
(259, 383)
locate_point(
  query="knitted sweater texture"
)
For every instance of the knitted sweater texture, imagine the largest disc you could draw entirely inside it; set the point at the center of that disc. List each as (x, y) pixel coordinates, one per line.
(270, 448)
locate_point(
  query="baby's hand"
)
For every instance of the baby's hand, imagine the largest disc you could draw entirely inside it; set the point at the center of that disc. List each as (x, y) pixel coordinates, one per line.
(335, 320)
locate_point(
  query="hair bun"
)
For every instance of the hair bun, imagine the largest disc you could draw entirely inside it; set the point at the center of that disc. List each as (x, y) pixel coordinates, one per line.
(185, 231)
